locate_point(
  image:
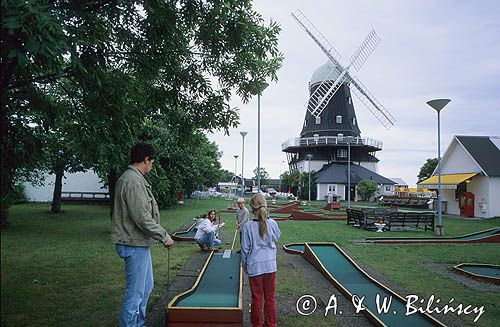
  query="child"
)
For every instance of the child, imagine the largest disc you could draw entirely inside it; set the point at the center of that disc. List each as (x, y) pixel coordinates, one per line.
(205, 235)
(258, 259)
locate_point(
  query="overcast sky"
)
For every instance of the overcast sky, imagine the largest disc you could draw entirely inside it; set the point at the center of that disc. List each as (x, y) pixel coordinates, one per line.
(429, 49)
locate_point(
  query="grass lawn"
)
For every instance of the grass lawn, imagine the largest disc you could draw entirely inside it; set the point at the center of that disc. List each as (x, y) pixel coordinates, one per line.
(62, 270)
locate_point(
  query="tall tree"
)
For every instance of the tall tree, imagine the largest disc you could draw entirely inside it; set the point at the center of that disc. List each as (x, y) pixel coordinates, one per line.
(121, 64)
(264, 175)
(366, 188)
(290, 180)
(427, 169)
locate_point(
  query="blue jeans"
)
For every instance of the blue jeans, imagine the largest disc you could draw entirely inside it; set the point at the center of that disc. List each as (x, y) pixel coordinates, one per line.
(140, 282)
(208, 239)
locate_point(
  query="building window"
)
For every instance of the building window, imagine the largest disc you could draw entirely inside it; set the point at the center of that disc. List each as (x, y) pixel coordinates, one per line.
(349, 98)
(305, 122)
(332, 188)
(318, 120)
(342, 153)
(354, 121)
(338, 119)
(387, 188)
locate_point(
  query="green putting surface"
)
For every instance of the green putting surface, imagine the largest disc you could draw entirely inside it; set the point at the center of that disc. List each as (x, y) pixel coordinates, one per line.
(189, 234)
(219, 286)
(357, 283)
(488, 271)
(483, 234)
(473, 236)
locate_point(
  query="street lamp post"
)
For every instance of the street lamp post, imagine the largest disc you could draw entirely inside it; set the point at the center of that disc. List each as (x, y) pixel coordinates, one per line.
(309, 156)
(438, 105)
(235, 167)
(243, 134)
(258, 142)
(263, 86)
(349, 140)
(282, 161)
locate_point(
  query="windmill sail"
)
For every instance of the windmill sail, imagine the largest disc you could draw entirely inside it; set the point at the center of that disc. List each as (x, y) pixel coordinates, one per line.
(365, 50)
(326, 90)
(372, 104)
(316, 35)
(322, 95)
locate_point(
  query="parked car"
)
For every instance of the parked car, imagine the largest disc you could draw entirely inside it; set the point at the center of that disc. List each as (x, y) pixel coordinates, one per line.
(271, 191)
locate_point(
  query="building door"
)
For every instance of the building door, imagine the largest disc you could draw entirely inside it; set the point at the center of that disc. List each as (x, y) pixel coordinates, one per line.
(353, 193)
(466, 204)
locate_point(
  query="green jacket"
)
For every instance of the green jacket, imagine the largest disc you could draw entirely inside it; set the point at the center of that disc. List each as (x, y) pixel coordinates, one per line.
(136, 217)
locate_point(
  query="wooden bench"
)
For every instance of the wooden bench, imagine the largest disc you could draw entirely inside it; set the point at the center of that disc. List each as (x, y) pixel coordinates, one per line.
(418, 219)
(85, 198)
(405, 202)
(356, 218)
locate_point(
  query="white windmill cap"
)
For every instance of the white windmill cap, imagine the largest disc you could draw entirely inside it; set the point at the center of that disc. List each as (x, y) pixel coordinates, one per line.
(324, 73)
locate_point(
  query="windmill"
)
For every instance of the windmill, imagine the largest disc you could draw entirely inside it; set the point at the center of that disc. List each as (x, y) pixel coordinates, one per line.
(340, 75)
(330, 141)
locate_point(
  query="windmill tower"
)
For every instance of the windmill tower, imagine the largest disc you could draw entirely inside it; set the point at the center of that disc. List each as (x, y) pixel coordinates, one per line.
(330, 121)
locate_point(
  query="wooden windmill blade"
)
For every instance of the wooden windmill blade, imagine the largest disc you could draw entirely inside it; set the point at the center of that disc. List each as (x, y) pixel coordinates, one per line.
(366, 48)
(318, 37)
(373, 105)
(322, 95)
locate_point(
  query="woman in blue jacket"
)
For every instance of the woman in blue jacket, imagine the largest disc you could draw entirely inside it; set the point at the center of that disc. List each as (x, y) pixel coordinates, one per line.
(258, 259)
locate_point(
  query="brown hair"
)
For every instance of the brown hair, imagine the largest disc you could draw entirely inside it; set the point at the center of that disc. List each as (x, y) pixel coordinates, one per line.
(259, 209)
(215, 214)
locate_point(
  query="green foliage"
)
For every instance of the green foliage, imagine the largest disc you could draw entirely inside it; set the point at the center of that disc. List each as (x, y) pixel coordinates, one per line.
(427, 169)
(366, 188)
(264, 175)
(94, 73)
(299, 183)
(226, 175)
(290, 180)
(18, 194)
(186, 161)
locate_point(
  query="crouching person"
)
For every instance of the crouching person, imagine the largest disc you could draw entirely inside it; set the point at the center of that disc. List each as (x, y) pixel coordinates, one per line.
(205, 235)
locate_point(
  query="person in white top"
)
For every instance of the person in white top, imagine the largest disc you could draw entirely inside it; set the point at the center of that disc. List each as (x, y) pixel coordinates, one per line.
(205, 235)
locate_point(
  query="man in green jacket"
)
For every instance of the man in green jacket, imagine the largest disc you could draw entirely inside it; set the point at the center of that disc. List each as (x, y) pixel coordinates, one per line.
(135, 226)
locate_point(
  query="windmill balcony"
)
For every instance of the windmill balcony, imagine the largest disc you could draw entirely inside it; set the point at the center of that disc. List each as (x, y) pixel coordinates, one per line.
(301, 142)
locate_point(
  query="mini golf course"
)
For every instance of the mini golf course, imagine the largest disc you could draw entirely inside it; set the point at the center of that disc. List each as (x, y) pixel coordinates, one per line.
(479, 271)
(486, 236)
(215, 298)
(351, 280)
(317, 214)
(187, 235)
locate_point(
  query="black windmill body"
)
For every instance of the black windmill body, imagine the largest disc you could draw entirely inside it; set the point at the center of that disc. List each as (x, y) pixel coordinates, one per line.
(330, 126)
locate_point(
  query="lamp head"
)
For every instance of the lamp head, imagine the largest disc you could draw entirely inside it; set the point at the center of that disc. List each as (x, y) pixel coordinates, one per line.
(309, 156)
(438, 104)
(243, 134)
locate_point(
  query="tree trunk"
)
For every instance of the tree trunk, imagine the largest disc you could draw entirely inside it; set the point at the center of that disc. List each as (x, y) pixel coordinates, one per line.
(112, 178)
(5, 164)
(6, 189)
(56, 198)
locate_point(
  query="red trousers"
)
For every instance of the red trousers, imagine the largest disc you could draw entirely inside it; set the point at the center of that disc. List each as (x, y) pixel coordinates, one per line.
(263, 286)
